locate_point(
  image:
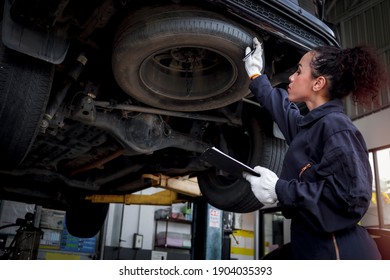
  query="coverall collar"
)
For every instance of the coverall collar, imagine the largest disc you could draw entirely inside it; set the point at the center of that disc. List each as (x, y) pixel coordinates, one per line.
(331, 106)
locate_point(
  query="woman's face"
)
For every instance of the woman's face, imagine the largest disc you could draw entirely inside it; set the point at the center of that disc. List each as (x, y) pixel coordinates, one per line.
(301, 82)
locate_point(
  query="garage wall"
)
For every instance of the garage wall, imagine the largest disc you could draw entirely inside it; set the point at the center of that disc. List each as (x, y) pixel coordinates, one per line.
(126, 220)
(375, 129)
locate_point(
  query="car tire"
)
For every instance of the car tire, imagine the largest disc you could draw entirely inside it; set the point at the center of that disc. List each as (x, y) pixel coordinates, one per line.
(181, 58)
(85, 219)
(252, 144)
(25, 84)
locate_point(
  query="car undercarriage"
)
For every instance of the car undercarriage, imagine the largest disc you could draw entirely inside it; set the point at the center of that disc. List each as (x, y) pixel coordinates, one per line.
(94, 94)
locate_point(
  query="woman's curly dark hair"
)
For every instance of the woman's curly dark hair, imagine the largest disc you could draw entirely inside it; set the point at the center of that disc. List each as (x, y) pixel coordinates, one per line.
(357, 71)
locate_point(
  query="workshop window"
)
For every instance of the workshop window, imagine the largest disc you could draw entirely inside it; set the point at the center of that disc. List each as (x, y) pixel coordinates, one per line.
(378, 213)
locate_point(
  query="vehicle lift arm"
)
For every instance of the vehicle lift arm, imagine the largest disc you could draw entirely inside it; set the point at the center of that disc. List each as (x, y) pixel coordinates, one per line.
(172, 185)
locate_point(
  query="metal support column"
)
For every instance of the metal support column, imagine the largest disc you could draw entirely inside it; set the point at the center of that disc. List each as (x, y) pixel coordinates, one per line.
(213, 233)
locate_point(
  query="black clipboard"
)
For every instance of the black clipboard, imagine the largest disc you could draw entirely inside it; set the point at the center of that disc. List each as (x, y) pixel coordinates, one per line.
(226, 163)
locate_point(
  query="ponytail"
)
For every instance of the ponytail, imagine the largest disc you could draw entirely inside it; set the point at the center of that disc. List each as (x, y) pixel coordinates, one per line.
(357, 71)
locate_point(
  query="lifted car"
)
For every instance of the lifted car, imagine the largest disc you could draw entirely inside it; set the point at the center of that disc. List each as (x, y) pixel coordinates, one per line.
(94, 94)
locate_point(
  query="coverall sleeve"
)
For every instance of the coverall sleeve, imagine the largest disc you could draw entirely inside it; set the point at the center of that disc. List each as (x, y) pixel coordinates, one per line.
(335, 193)
(285, 113)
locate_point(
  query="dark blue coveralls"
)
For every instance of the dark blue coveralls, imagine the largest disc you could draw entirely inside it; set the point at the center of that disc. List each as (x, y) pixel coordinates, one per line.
(325, 186)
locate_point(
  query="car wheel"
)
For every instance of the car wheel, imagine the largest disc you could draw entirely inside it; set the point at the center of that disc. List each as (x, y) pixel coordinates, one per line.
(25, 84)
(252, 144)
(181, 58)
(85, 219)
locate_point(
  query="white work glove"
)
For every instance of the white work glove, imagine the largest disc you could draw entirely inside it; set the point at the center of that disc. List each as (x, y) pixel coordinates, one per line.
(263, 187)
(254, 62)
